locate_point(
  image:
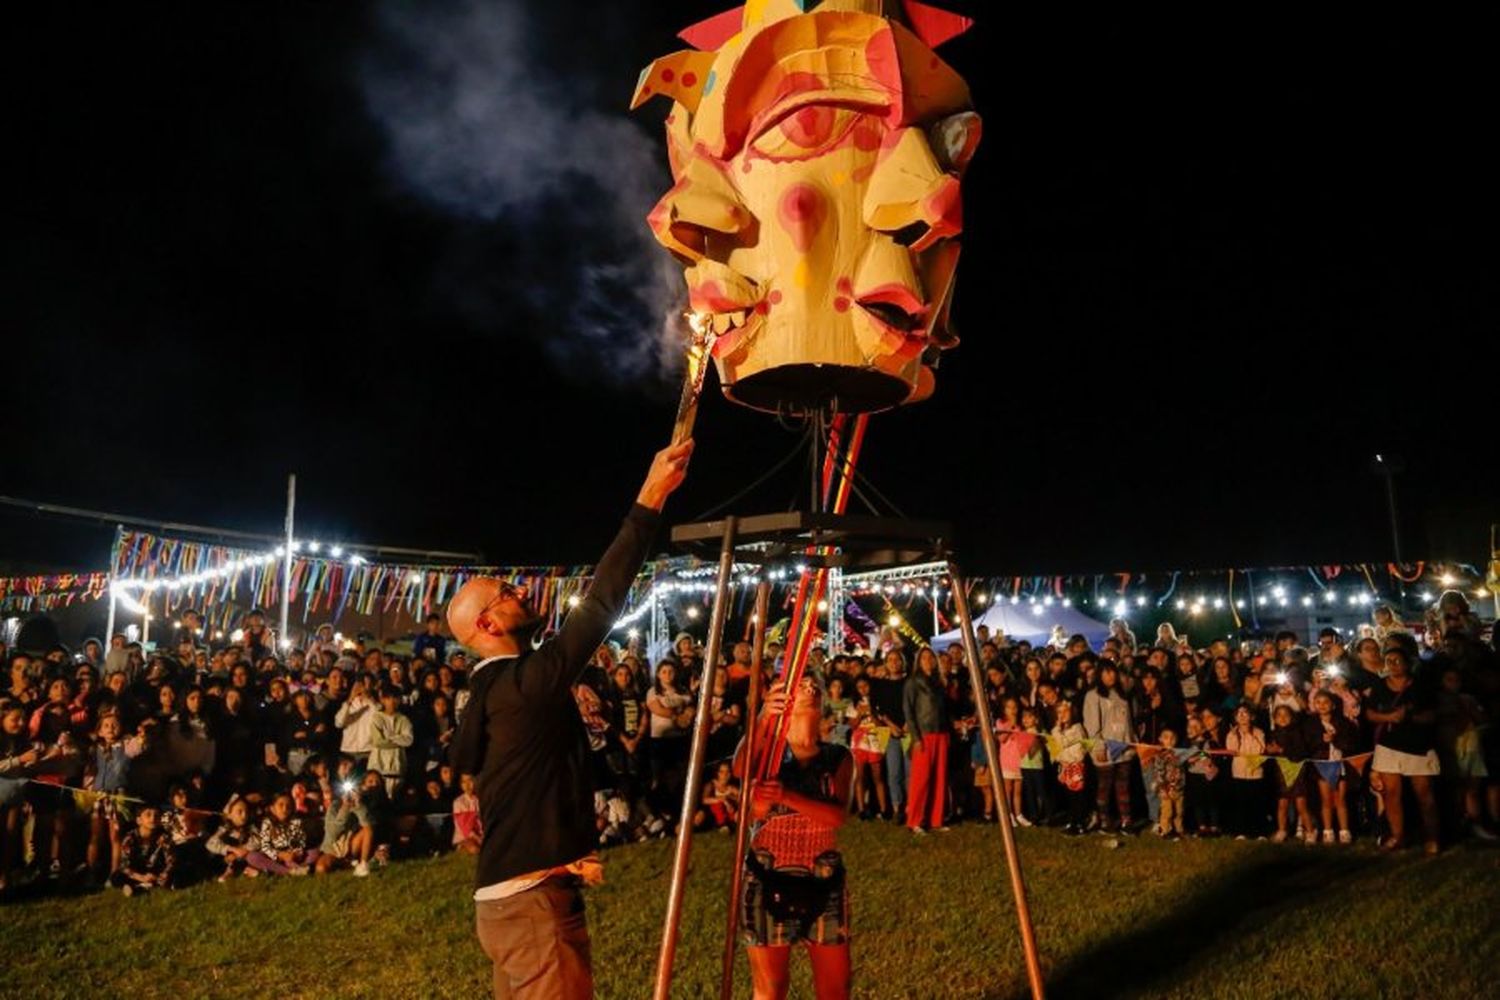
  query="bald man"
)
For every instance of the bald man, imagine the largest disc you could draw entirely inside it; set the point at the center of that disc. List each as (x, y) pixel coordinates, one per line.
(522, 739)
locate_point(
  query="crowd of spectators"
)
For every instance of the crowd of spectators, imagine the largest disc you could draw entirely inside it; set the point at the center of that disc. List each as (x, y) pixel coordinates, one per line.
(147, 769)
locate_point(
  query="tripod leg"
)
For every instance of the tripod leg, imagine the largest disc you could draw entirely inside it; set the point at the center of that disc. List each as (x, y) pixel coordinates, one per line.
(742, 821)
(692, 790)
(1002, 806)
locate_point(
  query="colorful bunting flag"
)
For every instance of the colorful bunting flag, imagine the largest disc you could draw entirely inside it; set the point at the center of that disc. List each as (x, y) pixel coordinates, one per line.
(1331, 771)
(1291, 770)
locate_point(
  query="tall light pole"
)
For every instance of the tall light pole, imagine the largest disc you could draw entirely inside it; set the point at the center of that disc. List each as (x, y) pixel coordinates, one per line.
(284, 640)
(1388, 466)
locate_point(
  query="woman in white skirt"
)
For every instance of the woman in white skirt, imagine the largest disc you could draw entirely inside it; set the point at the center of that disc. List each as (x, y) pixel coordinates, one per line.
(1404, 710)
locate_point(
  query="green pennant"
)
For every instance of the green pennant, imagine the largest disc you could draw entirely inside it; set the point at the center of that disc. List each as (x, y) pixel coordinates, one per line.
(1290, 769)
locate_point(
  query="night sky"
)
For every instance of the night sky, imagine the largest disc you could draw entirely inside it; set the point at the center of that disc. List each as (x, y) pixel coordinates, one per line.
(1199, 291)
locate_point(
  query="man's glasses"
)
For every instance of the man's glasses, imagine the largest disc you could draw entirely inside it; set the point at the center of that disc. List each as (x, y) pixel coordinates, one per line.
(507, 592)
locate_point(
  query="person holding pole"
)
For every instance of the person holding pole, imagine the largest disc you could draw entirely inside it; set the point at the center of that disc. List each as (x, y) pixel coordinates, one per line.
(524, 743)
(794, 890)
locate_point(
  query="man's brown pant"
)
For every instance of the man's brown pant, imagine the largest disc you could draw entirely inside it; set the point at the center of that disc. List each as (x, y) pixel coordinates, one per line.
(539, 943)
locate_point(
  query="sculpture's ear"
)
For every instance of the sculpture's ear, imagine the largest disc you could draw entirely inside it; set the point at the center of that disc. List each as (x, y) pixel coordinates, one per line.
(955, 140)
(910, 195)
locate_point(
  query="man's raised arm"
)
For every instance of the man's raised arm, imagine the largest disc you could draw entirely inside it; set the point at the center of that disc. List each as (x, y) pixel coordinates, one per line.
(589, 624)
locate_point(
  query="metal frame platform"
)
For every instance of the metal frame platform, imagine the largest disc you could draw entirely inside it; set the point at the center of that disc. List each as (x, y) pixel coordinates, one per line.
(852, 541)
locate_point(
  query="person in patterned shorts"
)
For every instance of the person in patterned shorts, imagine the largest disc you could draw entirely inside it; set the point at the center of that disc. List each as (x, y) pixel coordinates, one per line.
(794, 886)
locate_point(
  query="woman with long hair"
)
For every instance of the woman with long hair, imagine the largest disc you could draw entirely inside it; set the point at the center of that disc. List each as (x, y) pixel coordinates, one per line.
(1106, 716)
(672, 712)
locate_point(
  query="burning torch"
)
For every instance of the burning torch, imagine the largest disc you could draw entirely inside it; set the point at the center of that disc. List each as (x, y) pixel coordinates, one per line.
(699, 354)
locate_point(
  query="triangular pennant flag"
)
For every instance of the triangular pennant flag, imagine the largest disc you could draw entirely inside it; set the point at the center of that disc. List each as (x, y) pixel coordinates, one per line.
(935, 26)
(711, 34)
(1290, 769)
(1089, 743)
(1359, 761)
(1254, 761)
(1147, 751)
(1054, 746)
(1114, 748)
(1184, 754)
(1025, 742)
(1330, 770)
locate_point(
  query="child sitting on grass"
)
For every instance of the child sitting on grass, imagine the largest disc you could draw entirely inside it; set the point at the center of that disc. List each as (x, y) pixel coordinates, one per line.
(349, 832)
(721, 800)
(283, 843)
(145, 856)
(468, 832)
(1168, 783)
(188, 828)
(234, 840)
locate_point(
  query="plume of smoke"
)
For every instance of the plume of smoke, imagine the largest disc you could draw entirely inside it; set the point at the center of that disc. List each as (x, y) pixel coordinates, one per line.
(480, 127)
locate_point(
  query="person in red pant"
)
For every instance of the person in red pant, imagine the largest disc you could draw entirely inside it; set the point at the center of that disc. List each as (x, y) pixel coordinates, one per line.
(927, 722)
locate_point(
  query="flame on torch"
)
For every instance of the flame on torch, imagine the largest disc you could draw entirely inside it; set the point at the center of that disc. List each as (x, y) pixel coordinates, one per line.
(699, 350)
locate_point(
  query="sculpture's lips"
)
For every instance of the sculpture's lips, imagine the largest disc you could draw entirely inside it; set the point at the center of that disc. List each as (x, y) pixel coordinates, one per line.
(723, 296)
(896, 308)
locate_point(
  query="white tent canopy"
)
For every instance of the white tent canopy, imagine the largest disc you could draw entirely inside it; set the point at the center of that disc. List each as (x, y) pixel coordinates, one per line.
(1033, 623)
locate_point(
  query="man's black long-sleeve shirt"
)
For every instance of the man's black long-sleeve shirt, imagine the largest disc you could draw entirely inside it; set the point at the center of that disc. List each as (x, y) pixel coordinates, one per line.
(522, 737)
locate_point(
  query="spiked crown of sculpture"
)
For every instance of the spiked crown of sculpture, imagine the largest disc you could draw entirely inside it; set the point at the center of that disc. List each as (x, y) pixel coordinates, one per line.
(817, 150)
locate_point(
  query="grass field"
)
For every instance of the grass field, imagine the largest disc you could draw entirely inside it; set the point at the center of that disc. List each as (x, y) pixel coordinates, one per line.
(932, 919)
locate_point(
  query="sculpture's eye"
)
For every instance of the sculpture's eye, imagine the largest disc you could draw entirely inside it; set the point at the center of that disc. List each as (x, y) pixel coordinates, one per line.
(807, 132)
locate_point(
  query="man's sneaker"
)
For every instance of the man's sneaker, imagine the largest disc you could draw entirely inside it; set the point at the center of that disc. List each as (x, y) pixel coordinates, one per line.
(1346, 837)
(917, 831)
(1022, 820)
(1483, 832)
(361, 869)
